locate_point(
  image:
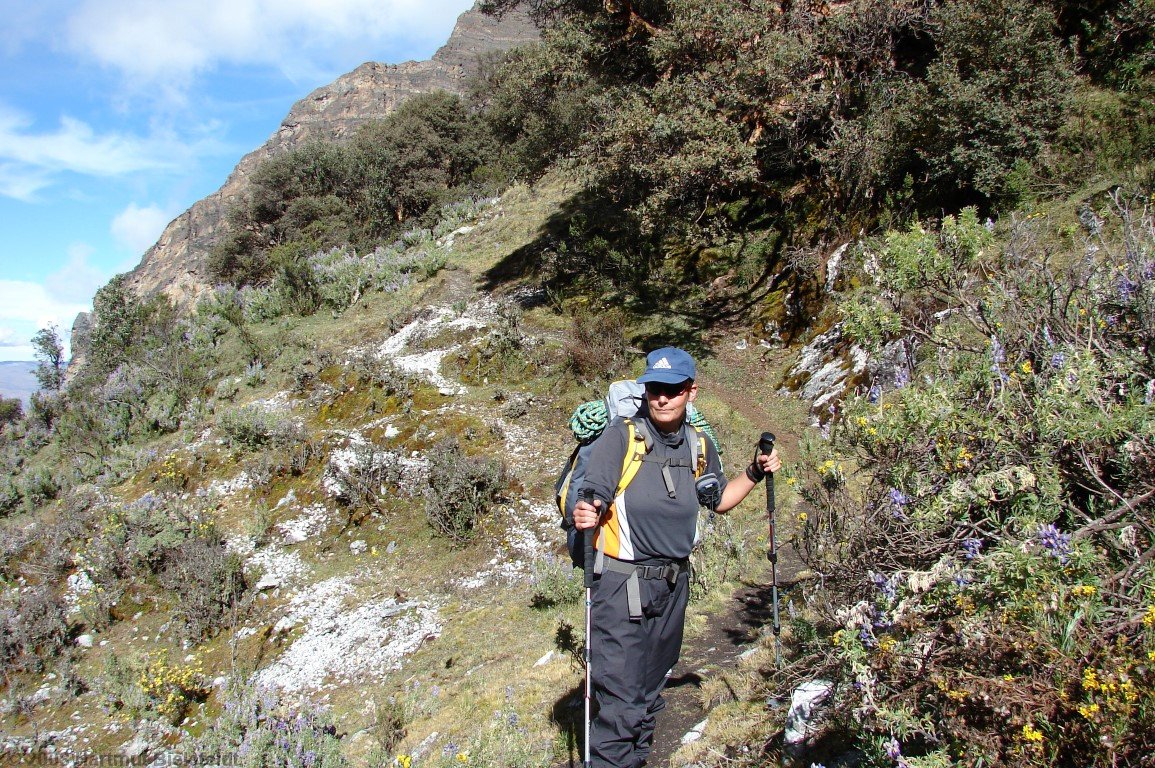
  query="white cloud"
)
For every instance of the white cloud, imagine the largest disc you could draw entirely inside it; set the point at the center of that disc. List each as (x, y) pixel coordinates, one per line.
(137, 228)
(31, 160)
(76, 282)
(26, 308)
(21, 182)
(150, 41)
(75, 147)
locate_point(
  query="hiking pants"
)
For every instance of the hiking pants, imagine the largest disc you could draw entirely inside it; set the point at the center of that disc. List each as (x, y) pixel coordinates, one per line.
(630, 660)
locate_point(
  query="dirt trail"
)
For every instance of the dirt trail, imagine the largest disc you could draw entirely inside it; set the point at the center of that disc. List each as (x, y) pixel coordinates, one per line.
(712, 653)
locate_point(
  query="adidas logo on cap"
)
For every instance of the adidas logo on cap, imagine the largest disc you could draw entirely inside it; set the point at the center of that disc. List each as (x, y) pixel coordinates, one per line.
(663, 363)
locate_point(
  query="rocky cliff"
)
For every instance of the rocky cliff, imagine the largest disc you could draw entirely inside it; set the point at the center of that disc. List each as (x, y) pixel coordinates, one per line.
(175, 265)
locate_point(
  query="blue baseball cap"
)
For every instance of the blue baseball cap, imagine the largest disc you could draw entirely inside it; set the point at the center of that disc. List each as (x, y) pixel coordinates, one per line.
(669, 365)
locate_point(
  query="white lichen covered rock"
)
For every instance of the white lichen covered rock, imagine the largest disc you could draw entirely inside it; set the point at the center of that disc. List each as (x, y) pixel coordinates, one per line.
(345, 641)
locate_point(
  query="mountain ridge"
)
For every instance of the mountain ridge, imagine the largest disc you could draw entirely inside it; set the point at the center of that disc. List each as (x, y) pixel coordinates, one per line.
(175, 264)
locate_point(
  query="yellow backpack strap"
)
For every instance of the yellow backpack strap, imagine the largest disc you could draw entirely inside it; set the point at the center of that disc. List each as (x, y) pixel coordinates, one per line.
(700, 464)
(632, 462)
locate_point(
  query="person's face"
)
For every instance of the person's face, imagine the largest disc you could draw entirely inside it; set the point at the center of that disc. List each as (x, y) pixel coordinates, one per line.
(667, 403)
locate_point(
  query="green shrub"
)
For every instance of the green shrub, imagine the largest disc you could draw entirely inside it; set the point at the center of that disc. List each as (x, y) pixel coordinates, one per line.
(33, 628)
(253, 427)
(596, 348)
(461, 490)
(11, 411)
(556, 582)
(38, 487)
(991, 506)
(260, 729)
(150, 687)
(207, 582)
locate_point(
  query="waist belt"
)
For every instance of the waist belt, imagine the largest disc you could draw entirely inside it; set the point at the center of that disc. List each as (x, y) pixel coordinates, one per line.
(668, 572)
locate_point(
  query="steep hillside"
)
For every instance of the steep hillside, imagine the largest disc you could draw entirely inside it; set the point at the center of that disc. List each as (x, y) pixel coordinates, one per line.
(430, 632)
(175, 264)
(310, 517)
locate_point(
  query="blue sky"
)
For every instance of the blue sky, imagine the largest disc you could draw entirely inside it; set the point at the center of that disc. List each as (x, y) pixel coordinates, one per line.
(117, 115)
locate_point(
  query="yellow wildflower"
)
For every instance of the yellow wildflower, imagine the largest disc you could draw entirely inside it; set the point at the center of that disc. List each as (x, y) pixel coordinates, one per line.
(1088, 711)
(1026, 367)
(1149, 617)
(802, 516)
(1032, 734)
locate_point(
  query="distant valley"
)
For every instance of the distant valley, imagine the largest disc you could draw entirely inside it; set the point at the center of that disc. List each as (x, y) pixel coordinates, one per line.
(18, 379)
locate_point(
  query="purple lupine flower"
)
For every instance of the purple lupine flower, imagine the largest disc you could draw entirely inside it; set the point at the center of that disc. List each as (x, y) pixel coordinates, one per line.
(962, 580)
(901, 378)
(998, 354)
(866, 637)
(310, 759)
(449, 750)
(1057, 544)
(1047, 336)
(972, 548)
(1058, 360)
(874, 394)
(893, 750)
(887, 586)
(1126, 288)
(898, 502)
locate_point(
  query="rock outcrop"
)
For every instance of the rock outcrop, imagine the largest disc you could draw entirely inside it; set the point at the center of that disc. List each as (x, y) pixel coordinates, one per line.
(175, 265)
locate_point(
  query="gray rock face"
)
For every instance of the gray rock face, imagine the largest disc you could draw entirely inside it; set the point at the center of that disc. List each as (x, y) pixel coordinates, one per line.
(175, 265)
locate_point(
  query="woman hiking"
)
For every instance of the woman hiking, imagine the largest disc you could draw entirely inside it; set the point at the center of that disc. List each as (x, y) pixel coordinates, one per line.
(644, 538)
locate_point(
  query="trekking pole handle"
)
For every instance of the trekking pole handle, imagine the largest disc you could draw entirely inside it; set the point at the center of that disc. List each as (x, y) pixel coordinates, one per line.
(766, 443)
(588, 535)
(765, 448)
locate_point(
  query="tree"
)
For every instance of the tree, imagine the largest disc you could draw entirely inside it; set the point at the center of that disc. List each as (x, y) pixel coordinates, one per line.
(50, 353)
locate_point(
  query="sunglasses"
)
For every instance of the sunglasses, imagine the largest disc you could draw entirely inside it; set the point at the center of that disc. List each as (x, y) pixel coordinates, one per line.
(658, 389)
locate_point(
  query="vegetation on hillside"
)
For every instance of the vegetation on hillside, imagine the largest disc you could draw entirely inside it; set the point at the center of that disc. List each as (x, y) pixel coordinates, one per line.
(980, 511)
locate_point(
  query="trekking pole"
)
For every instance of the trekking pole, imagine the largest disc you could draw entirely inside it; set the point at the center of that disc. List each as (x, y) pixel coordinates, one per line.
(587, 495)
(765, 447)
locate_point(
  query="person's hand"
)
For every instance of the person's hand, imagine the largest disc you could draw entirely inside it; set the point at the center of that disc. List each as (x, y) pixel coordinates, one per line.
(763, 464)
(585, 514)
(771, 462)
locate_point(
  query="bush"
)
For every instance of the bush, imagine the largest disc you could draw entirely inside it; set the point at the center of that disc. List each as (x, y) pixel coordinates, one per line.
(33, 628)
(257, 725)
(998, 513)
(38, 487)
(11, 410)
(151, 687)
(207, 582)
(253, 427)
(461, 490)
(596, 348)
(556, 582)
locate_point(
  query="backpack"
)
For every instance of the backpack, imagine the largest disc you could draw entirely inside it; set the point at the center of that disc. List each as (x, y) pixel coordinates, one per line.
(624, 399)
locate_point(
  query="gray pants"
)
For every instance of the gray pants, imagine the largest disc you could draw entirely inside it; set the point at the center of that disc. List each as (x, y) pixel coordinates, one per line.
(630, 660)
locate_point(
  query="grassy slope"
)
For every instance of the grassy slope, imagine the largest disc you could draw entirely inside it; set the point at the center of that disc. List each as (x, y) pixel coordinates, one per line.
(483, 661)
